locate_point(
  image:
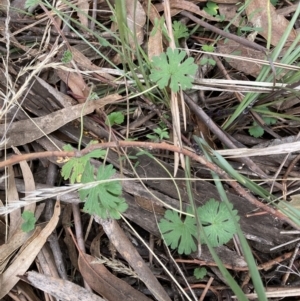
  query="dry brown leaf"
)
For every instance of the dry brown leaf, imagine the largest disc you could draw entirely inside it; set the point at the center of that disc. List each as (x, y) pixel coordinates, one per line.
(8, 249)
(63, 99)
(17, 237)
(28, 181)
(148, 205)
(246, 66)
(59, 288)
(83, 5)
(85, 64)
(71, 248)
(75, 82)
(257, 13)
(121, 242)
(136, 19)
(229, 11)
(27, 290)
(9, 278)
(105, 283)
(155, 45)
(25, 131)
(201, 129)
(12, 195)
(178, 5)
(95, 245)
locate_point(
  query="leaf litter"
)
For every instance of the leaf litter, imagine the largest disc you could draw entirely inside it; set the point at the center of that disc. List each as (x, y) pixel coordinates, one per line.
(120, 60)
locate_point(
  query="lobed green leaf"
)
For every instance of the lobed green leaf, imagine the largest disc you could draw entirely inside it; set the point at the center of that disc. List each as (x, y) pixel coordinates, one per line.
(217, 222)
(179, 233)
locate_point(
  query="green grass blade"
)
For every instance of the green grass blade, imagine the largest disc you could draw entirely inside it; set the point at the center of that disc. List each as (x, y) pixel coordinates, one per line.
(257, 282)
(255, 276)
(264, 74)
(230, 280)
(222, 163)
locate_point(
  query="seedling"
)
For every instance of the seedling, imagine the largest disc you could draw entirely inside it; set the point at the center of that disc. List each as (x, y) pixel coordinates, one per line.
(67, 57)
(208, 48)
(246, 29)
(179, 31)
(212, 9)
(207, 60)
(29, 221)
(256, 130)
(200, 273)
(161, 134)
(114, 118)
(102, 198)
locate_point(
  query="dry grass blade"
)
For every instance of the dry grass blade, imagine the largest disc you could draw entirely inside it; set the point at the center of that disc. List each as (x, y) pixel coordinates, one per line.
(25, 131)
(284, 148)
(59, 288)
(87, 95)
(27, 256)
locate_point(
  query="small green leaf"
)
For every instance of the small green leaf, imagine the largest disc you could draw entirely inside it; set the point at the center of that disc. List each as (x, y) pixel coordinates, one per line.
(179, 31)
(217, 222)
(204, 61)
(269, 120)
(29, 221)
(96, 153)
(256, 130)
(67, 57)
(74, 168)
(208, 48)
(114, 118)
(103, 42)
(207, 61)
(211, 62)
(31, 3)
(162, 133)
(68, 148)
(211, 8)
(200, 273)
(179, 233)
(104, 199)
(153, 138)
(169, 70)
(221, 18)
(93, 96)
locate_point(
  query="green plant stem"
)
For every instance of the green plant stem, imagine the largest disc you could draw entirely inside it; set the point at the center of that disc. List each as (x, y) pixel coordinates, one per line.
(192, 202)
